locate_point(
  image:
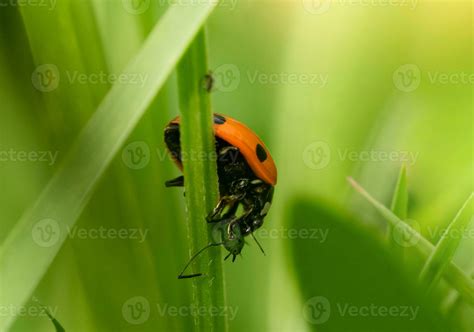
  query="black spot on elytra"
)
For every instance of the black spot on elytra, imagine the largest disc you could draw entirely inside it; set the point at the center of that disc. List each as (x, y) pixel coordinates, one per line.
(219, 119)
(261, 154)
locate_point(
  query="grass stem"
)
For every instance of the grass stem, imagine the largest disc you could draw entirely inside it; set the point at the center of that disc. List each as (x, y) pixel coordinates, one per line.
(201, 186)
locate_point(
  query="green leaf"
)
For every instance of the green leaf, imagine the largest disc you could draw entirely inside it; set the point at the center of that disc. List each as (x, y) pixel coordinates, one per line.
(453, 274)
(445, 249)
(399, 202)
(400, 196)
(57, 325)
(23, 261)
(334, 280)
(197, 139)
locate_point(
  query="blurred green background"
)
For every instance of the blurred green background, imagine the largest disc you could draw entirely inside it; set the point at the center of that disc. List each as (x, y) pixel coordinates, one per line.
(335, 89)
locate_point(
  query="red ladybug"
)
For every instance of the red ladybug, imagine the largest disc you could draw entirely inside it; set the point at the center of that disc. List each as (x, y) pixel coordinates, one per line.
(247, 176)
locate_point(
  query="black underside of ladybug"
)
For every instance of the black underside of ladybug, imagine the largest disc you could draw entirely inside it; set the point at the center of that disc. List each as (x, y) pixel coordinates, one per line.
(238, 185)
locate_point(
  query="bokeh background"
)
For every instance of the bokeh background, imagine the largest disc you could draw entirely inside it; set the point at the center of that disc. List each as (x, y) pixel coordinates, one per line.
(335, 89)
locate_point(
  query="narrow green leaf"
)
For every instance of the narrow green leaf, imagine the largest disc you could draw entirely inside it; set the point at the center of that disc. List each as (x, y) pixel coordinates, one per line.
(453, 274)
(399, 202)
(369, 272)
(445, 249)
(197, 139)
(65, 196)
(400, 196)
(57, 325)
(452, 300)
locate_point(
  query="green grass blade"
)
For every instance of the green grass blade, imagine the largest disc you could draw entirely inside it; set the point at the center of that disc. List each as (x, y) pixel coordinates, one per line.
(399, 204)
(445, 249)
(453, 274)
(22, 261)
(400, 196)
(197, 139)
(57, 325)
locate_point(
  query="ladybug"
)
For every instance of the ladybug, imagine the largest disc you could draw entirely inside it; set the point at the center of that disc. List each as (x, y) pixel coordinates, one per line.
(247, 176)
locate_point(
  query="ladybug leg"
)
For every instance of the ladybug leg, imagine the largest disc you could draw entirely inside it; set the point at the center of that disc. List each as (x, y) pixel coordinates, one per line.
(252, 224)
(258, 202)
(231, 201)
(176, 182)
(246, 219)
(246, 228)
(215, 215)
(230, 227)
(238, 190)
(231, 211)
(242, 220)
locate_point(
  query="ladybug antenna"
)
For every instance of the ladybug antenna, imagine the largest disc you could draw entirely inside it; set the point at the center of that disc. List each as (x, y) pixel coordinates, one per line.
(258, 243)
(182, 275)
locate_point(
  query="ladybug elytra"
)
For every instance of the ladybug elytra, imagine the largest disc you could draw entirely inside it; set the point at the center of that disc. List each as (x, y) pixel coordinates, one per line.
(247, 175)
